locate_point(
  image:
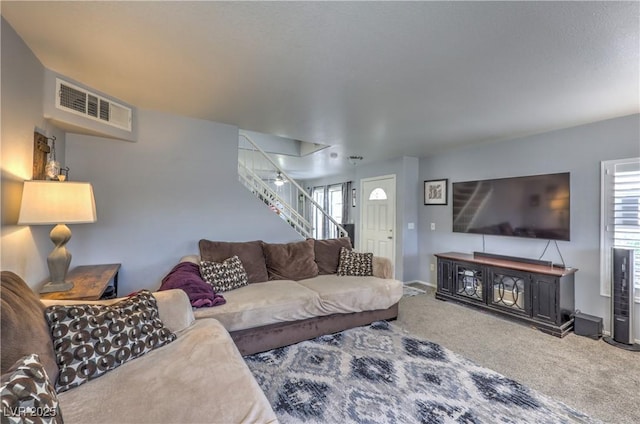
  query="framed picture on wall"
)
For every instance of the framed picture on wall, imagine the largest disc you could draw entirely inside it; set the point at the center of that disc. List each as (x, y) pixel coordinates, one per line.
(435, 192)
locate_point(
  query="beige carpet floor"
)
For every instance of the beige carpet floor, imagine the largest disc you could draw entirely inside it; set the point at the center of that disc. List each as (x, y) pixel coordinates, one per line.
(591, 376)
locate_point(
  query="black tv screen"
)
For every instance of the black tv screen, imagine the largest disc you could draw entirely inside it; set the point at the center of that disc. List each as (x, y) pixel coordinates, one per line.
(535, 206)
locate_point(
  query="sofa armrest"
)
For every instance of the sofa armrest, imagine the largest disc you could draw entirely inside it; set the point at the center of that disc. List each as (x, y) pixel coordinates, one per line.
(382, 267)
(174, 308)
(191, 258)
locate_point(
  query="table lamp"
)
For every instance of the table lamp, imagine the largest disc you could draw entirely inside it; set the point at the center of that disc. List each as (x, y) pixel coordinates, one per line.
(60, 203)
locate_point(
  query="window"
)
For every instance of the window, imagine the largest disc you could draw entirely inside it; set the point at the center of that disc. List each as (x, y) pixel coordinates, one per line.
(318, 217)
(378, 194)
(331, 199)
(620, 216)
(335, 208)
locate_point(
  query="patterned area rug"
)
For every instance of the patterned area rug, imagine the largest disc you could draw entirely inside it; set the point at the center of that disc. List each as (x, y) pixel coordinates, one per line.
(378, 374)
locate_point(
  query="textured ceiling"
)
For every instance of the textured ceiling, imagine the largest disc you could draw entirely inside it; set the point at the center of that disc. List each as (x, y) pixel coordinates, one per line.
(377, 79)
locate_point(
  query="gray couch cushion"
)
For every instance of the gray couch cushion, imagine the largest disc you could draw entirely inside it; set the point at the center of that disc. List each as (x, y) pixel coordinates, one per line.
(249, 252)
(199, 378)
(261, 304)
(290, 261)
(327, 254)
(23, 314)
(353, 294)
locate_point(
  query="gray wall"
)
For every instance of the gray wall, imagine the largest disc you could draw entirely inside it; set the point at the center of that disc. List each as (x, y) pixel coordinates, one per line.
(24, 248)
(578, 150)
(412, 198)
(156, 198)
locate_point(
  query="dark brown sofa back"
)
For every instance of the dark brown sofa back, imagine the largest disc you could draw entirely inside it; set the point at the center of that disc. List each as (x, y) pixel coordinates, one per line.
(327, 254)
(250, 254)
(24, 327)
(290, 261)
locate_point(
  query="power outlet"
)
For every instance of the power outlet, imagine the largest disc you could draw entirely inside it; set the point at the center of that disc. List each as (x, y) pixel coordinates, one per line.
(433, 226)
(432, 267)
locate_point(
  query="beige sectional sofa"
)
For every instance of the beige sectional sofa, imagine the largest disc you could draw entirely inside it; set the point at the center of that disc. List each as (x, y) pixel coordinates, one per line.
(278, 301)
(269, 314)
(199, 377)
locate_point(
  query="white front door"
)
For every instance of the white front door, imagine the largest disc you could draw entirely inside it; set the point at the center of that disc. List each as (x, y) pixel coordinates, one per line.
(378, 216)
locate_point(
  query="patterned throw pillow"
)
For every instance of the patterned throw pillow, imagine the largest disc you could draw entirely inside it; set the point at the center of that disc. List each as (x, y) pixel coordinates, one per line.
(90, 340)
(355, 264)
(28, 395)
(224, 276)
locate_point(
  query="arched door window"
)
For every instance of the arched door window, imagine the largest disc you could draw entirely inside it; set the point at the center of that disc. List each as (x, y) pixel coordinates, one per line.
(378, 194)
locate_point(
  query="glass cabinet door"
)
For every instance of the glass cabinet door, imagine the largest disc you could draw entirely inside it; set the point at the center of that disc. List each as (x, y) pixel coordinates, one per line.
(468, 281)
(509, 290)
(444, 276)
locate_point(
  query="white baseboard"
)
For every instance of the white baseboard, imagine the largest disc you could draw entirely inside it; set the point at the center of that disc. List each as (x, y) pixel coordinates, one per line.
(424, 283)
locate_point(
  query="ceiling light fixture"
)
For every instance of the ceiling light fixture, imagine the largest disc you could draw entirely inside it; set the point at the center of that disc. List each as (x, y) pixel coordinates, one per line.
(354, 160)
(279, 181)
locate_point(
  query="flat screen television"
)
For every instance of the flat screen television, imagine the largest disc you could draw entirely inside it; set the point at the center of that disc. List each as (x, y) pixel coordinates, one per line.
(535, 206)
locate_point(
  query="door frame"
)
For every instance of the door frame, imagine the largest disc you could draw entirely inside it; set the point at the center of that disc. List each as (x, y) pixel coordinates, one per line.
(395, 213)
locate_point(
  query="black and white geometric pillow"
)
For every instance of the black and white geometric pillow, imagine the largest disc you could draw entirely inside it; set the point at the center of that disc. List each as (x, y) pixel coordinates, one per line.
(90, 340)
(355, 264)
(28, 395)
(224, 276)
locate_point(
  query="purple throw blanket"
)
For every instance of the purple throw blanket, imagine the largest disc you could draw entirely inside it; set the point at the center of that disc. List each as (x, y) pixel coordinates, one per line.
(186, 276)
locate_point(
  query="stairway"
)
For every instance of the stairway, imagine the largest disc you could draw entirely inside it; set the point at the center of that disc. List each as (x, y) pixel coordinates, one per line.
(261, 175)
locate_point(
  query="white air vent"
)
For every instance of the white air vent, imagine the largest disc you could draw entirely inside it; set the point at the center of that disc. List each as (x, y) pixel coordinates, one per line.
(77, 100)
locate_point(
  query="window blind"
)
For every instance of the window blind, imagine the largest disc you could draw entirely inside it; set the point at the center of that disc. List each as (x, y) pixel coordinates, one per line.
(621, 214)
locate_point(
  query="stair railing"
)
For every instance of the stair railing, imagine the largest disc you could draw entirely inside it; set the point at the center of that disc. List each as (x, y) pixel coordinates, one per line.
(265, 193)
(294, 214)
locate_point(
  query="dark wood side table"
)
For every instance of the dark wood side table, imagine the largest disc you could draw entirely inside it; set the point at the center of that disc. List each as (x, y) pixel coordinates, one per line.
(90, 282)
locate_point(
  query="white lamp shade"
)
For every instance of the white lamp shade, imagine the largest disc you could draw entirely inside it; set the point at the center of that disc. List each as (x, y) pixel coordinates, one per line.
(54, 202)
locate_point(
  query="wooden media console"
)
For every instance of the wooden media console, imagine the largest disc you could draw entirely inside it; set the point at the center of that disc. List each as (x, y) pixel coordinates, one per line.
(533, 292)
